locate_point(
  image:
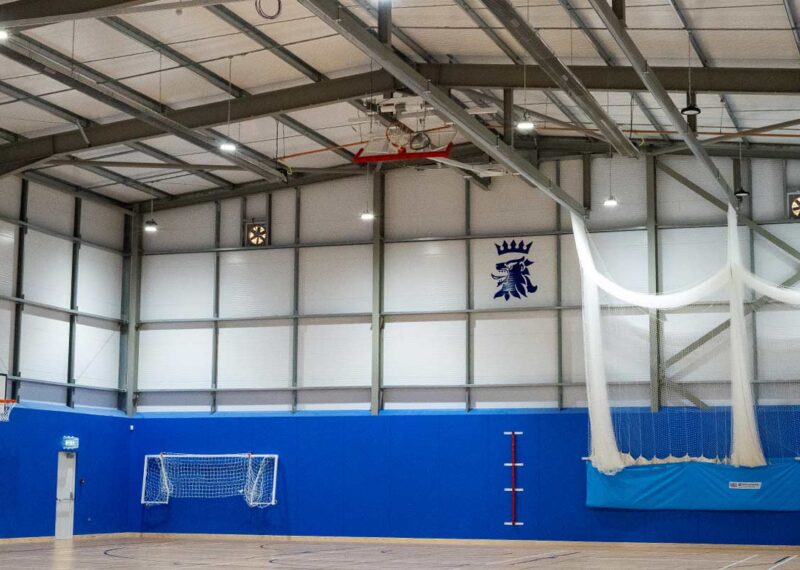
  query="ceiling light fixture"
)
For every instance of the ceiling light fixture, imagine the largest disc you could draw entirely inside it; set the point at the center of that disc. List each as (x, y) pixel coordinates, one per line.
(227, 146)
(3, 35)
(611, 202)
(691, 109)
(150, 226)
(367, 216)
(525, 125)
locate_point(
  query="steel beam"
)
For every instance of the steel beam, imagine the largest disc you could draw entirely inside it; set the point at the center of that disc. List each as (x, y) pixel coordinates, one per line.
(217, 81)
(12, 13)
(695, 43)
(639, 63)
(81, 77)
(567, 81)
(340, 19)
(418, 50)
(606, 56)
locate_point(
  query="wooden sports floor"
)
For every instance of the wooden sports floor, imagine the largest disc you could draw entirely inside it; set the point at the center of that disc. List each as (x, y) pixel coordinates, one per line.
(189, 553)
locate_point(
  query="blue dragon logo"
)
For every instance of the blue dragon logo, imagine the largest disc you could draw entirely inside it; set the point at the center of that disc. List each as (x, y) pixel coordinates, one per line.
(514, 279)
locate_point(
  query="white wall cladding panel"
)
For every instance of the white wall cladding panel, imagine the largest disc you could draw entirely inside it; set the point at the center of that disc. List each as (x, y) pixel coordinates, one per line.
(511, 205)
(515, 348)
(255, 355)
(679, 205)
(51, 209)
(97, 354)
(283, 203)
(256, 283)
(688, 256)
(99, 282)
(769, 199)
(177, 286)
(778, 336)
(336, 280)
(515, 398)
(426, 203)
(256, 207)
(331, 211)
(425, 276)
(542, 273)
(6, 332)
(621, 256)
(101, 224)
(571, 183)
(8, 256)
(331, 400)
(627, 183)
(45, 345)
(573, 368)
(230, 219)
(175, 358)
(10, 189)
(188, 228)
(334, 352)
(423, 350)
(48, 267)
(772, 263)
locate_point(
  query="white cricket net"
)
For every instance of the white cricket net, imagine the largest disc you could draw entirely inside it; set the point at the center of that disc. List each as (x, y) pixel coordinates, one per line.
(710, 413)
(193, 476)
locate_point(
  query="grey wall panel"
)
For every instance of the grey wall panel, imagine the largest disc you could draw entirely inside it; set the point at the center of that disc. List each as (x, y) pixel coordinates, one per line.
(103, 225)
(51, 209)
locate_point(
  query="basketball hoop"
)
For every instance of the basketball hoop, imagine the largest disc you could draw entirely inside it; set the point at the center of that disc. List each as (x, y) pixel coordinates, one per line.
(398, 142)
(5, 409)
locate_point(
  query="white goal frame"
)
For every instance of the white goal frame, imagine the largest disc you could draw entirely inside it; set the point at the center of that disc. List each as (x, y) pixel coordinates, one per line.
(244, 456)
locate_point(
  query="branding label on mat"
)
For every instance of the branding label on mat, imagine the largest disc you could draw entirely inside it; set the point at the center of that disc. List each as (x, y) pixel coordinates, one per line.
(744, 485)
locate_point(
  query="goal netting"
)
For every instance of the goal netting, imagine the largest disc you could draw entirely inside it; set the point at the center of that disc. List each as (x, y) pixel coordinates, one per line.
(196, 476)
(710, 412)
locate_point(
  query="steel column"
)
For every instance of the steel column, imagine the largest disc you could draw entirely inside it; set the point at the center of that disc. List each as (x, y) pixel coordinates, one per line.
(73, 303)
(131, 303)
(215, 334)
(654, 285)
(378, 180)
(469, 322)
(16, 342)
(296, 298)
(559, 301)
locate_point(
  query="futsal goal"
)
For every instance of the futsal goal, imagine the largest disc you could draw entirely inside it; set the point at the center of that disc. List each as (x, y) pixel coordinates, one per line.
(197, 476)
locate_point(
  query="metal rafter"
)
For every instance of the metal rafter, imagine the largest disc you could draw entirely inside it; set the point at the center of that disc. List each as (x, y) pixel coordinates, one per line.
(609, 61)
(569, 83)
(792, 16)
(341, 20)
(639, 63)
(217, 81)
(105, 89)
(695, 43)
(512, 55)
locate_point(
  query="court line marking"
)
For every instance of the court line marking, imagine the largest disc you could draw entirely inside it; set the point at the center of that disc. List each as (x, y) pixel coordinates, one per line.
(782, 562)
(732, 564)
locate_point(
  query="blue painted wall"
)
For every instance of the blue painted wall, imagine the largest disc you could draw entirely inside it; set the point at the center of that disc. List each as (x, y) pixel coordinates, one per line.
(29, 446)
(401, 475)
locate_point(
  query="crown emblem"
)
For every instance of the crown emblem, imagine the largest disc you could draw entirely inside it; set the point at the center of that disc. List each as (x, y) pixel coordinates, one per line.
(513, 247)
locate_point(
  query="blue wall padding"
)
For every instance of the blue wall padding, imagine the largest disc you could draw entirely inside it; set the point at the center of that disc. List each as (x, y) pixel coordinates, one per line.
(437, 475)
(697, 486)
(29, 446)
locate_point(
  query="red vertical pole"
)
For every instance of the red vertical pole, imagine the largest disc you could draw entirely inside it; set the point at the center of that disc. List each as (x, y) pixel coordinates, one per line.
(513, 478)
